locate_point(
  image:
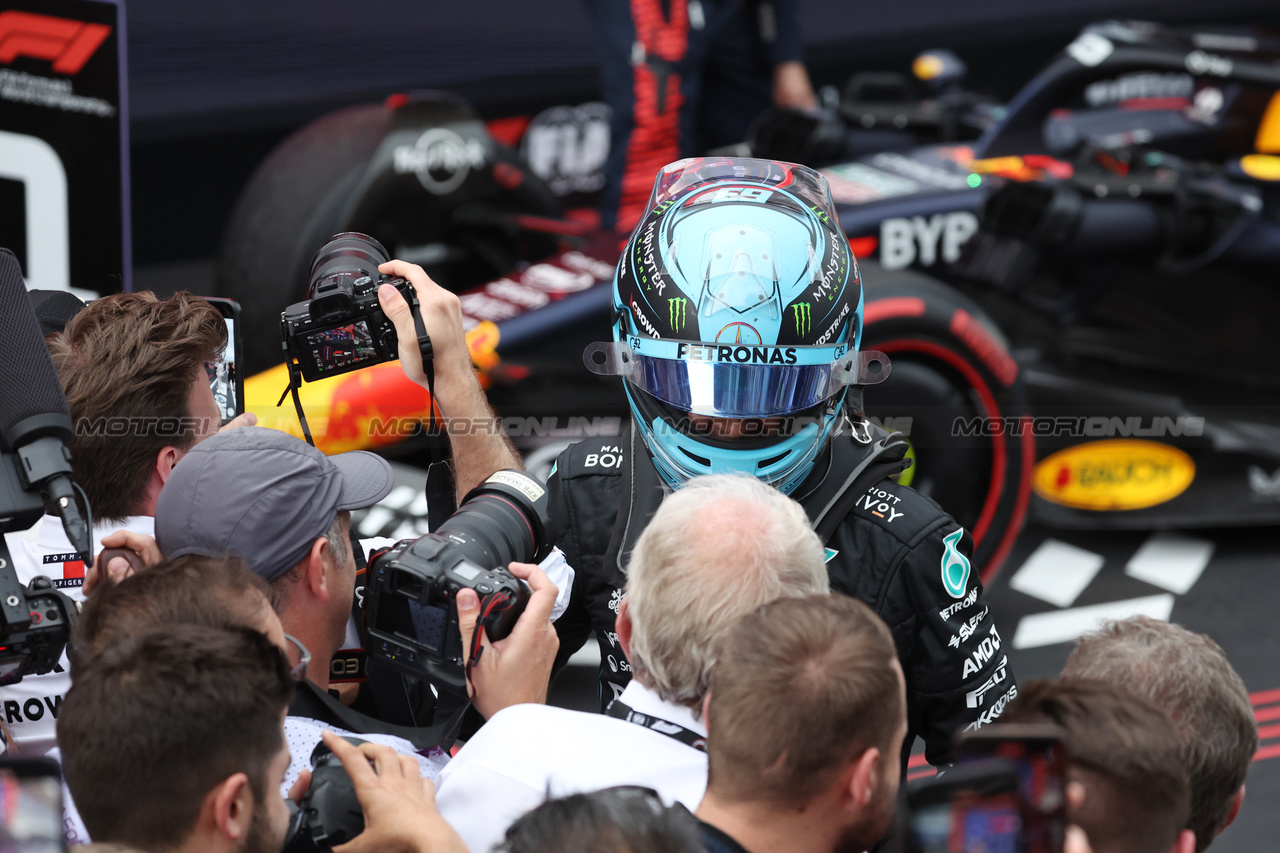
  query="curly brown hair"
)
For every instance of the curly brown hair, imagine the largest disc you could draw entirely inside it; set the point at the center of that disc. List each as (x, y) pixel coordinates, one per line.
(126, 363)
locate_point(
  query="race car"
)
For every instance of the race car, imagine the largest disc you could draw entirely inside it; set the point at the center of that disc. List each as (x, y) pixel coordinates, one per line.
(1077, 303)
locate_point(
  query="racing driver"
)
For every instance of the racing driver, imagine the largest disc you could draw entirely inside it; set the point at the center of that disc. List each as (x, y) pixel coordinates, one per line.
(738, 318)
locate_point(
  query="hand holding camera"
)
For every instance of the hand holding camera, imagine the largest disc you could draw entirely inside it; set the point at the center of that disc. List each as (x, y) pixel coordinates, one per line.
(517, 669)
(411, 598)
(370, 797)
(441, 314)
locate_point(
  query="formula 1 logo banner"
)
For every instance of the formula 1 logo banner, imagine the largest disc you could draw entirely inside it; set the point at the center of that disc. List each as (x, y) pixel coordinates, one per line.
(64, 188)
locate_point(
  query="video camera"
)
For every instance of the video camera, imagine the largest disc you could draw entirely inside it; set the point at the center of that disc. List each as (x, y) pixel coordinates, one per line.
(35, 620)
(341, 326)
(35, 473)
(411, 607)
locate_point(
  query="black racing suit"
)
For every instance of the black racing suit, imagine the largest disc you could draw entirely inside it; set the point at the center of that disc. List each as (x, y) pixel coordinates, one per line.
(890, 550)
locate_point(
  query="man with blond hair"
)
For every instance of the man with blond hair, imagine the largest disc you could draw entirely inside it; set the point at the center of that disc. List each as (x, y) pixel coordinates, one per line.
(713, 552)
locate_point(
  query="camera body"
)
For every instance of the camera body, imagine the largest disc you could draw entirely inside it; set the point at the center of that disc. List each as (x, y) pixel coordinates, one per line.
(341, 326)
(411, 610)
(36, 649)
(330, 813)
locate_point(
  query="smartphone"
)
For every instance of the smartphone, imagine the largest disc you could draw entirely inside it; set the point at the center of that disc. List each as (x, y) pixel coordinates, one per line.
(225, 377)
(1038, 753)
(30, 806)
(972, 808)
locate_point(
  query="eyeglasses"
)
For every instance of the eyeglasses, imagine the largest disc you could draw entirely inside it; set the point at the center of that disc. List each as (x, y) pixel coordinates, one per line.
(298, 657)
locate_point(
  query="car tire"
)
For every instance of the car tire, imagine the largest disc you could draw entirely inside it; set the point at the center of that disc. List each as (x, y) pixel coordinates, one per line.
(954, 377)
(287, 210)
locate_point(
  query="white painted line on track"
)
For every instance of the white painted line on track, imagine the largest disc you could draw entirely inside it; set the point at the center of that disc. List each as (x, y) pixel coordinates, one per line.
(1063, 626)
(1057, 572)
(1172, 561)
(399, 497)
(374, 520)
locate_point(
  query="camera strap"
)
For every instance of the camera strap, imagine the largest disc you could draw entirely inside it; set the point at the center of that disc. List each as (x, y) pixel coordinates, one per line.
(428, 364)
(295, 382)
(619, 710)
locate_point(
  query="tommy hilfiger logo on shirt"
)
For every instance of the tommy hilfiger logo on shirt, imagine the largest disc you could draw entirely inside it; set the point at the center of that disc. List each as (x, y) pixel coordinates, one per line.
(72, 569)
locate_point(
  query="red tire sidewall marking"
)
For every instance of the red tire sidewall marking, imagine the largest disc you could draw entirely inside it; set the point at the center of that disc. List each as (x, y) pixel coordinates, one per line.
(998, 462)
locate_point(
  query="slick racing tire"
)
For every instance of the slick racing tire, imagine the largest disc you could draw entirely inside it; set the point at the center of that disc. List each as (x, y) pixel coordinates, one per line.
(302, 194)
(957, 393)
(285, 213)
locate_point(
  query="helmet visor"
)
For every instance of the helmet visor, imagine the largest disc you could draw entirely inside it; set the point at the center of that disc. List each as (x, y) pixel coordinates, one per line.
(735, 381)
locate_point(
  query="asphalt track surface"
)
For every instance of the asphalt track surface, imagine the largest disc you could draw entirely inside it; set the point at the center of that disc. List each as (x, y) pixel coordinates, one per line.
(1055, 586)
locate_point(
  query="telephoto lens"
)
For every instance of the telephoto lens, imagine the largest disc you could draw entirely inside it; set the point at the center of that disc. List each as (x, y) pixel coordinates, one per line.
(410, 599)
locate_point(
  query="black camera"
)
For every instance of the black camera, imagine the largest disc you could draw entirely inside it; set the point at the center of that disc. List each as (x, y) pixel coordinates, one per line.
(36, 648)
(35, 620)
(330, 813)
(341, 326)
(410, 598)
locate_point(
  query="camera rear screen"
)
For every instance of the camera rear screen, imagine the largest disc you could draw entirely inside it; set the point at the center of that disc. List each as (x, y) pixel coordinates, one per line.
(333, 349)
(991, 824)
(31, 810)
(423, 624)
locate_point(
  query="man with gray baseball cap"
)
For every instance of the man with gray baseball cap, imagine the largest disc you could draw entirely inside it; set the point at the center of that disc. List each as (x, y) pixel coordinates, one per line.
(284, 507)
(273, 517)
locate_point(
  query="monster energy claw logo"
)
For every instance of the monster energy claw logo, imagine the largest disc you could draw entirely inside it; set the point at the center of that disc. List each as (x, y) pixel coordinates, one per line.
(955, 566)
(804, 319)
(677, 313)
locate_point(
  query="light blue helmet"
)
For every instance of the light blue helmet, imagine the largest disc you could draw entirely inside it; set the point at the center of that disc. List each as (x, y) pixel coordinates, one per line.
(737, 298)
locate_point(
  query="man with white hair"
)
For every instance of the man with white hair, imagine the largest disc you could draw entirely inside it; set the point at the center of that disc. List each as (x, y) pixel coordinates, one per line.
(713, 552)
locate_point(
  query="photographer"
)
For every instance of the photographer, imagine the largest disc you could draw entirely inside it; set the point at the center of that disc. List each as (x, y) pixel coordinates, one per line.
(192, 751)
(1188, 675)
(133, 368)
(219, 593)
(285, 507)
(1122, 751)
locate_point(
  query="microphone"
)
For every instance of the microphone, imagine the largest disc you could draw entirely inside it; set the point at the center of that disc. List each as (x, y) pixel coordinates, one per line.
(35, 422)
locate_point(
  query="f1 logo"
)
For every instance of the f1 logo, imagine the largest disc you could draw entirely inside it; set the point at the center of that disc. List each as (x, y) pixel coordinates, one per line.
(69, 44)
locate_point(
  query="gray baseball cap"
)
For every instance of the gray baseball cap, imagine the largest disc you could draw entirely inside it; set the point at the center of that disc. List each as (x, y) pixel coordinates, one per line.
(264, 495)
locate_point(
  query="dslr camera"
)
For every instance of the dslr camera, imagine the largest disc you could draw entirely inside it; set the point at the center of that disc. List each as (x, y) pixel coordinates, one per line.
(411, 610)
(341, 327)
(330, 813)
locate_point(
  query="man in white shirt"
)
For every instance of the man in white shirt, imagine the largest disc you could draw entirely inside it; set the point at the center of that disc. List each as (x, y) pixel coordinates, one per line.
(133, 370)
(713, 552)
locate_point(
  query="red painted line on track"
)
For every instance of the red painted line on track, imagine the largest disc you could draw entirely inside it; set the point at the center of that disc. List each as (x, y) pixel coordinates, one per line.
(1265, 697)
(1265, 732)
(1267, 752)
(1266, 715)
